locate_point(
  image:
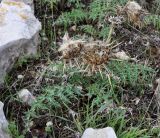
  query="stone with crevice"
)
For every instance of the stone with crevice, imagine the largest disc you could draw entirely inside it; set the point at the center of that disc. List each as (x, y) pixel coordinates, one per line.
(19, 31)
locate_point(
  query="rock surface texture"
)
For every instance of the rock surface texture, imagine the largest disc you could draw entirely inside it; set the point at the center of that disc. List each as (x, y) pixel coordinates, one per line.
(19, 33)
(3, 123)
(107, 132)
(30, 3)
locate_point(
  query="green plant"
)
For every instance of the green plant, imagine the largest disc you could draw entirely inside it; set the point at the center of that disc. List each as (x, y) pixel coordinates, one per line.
(135, 132)
(97, 118)
(22, 61)
(134, 74)
(156, 7)
(71, 18)
(25, 59)
(96, 101)
(13, 130)
(104, 32)
(51, 3)
(89, 29)
(76, 3)
(153, 19)
(53, 98)
(98, 9)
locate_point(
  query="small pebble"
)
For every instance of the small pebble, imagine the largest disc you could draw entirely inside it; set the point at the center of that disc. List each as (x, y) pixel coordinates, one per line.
(20, 76)
(49, 124)
(26, 96)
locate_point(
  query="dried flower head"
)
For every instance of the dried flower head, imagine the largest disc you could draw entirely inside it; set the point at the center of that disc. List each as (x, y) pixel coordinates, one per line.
(95, 55)
(116, 20)
(135, 13)
(90, 56)
(70, 48)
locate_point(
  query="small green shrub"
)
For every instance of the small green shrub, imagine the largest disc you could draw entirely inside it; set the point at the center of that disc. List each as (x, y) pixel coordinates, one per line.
(134, 74)
(53, 98)
(89, 29)
(71, 18)
(104, 32)
(13, 130)
(153, 19)
(52, 3)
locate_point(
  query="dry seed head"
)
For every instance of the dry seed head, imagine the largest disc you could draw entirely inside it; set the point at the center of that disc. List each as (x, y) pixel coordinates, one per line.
(116, 20)
(70, 48)
(70, 44)
(95, 54)
(134, 12)
(133, 7)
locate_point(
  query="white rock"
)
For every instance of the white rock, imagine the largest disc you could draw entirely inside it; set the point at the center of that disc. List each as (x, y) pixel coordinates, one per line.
(20, 76)
(121, 55)
(19, 33)
(107, 132)
(26, 96)
(3, 123)
(28, 2)
(49, 124)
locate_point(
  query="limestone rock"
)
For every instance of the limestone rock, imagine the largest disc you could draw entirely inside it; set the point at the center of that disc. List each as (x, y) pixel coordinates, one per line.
(3, 123)
(19, 31)
(121, 55)
(107, 132)
(30, 3)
